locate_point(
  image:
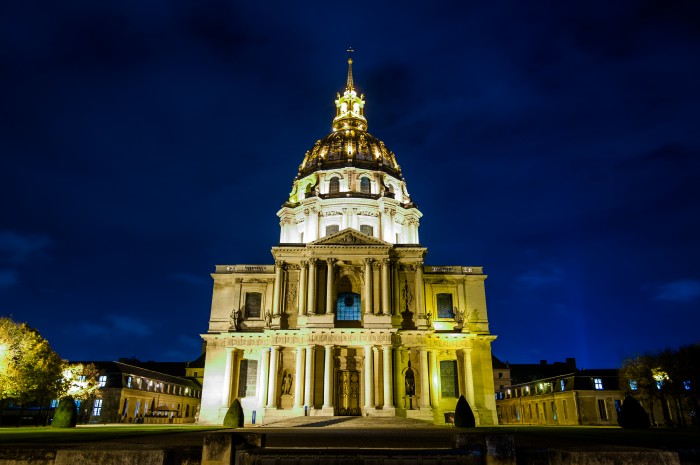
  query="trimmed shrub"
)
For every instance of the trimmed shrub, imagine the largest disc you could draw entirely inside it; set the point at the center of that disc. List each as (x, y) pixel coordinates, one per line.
(632, 414)
(234, 415)
(66, 415)
(464, 417)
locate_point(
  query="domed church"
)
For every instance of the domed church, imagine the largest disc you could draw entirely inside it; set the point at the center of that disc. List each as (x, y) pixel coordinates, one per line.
(348, 320)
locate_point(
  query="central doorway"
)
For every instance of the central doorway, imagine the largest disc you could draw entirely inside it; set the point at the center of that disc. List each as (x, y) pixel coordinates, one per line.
(348, 393)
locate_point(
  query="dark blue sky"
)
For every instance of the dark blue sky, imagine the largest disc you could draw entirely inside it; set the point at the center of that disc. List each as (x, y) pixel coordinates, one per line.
(554, 143)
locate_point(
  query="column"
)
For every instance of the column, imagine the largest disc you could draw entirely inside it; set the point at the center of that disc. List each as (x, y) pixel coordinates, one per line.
(369, 377)
(388, 388)
(330, 286)
(396, 309)
(432, 357)
(226, 391)
(276, 293)
(311, 297)
(303, 272)
(328, 378)
(420, 307)
(367, 298)
(308, 377)
(236, 374)
(424, 379)
(299, 379)
(468, 376)
(386, 296)
(264, 375)
(272, 384)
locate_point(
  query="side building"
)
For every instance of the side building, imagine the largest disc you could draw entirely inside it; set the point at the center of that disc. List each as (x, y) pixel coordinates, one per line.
(348, 320)
(559, 394)
(133, 394)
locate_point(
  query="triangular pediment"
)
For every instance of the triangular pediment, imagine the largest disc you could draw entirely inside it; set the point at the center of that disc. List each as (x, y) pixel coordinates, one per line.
(349, 237)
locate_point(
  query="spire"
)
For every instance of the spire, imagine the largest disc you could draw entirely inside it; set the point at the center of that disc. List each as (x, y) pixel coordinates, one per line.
(350, 109)
(350, 85)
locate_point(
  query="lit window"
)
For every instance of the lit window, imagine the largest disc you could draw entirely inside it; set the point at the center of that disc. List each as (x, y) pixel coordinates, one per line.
(659, 384)
(633, 385)
(97, 408)
(367, 229)
(686, 385)
(598, 383)
(364, 186)
(82, 378)
(54, 403)
(562, 385)
(128, 381)
(102, 381)
(554, 411)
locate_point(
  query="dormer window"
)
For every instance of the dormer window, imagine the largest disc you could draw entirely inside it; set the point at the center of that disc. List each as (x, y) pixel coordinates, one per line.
(334, 186)
(365, 186)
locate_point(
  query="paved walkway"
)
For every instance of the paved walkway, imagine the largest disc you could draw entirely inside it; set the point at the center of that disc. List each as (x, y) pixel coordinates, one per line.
(351, 422)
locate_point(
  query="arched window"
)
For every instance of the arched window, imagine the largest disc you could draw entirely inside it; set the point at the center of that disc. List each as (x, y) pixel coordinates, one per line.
(334, 186)
(364, 185)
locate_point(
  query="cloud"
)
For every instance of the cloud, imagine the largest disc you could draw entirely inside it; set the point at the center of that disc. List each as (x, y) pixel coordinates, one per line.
(18, 248)
(8, 278)
(115, 325)
(189, 279)
(684, 290)
(543, 277)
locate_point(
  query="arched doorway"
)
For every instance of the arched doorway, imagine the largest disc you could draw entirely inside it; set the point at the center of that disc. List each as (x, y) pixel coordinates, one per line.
(348, 305)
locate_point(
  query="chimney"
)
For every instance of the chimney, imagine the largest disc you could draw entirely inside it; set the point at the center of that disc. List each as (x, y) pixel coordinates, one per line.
(571, 363)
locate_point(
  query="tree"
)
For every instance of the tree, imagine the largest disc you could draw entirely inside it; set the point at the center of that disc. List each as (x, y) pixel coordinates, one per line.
(464, 417)
(234, 415)
(66, 415)
(79, 381)
(636, 375)
(29, 368)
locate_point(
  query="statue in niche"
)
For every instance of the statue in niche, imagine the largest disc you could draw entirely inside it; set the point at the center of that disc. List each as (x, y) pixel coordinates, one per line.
(235, 319)
(268, 319)
(474, 316)
(429, 318)
(286, 383)
(460, 317)
(410, 381)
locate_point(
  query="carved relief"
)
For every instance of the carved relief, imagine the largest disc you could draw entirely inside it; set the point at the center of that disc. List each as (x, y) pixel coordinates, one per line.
(291, 295)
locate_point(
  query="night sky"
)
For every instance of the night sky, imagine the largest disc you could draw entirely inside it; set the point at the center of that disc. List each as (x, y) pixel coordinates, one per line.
(556, 144)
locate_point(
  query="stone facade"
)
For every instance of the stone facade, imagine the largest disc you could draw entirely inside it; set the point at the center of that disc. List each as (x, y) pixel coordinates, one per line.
(348, 320)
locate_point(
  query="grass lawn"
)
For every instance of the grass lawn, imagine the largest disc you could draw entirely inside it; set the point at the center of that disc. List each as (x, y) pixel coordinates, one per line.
(48, 435)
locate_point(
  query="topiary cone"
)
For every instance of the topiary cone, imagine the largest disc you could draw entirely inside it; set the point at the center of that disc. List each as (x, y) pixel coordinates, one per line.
(464, 417)
(234, 415)
(632, 414)
(66, 415)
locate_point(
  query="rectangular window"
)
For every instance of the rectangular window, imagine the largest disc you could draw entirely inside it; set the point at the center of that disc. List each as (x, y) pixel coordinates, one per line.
(253, 302)
(367, 229)
(566, 413)
(97, 408)
(602, 409)
(529, 411)
(54, 403)
(686, 385)
(562, 385)
(544, 411)
(618, 405)
(633, 385)
(449, 386)
(248, 378)
(517, 412)
(444, 306)
(332, 229)
(102, 381)
(138, 407)
(554, 412)
(128, 381)
(301, 237)
(598, 383)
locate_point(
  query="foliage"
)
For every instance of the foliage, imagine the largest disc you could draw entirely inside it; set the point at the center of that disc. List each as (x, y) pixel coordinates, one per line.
(464, 417)
(29, 368)
(632, 414)
(234, 415)
(66, 415)
(79, 381)
(671, 377)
